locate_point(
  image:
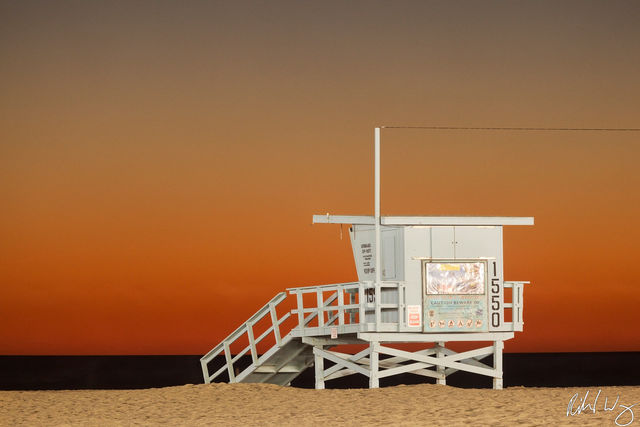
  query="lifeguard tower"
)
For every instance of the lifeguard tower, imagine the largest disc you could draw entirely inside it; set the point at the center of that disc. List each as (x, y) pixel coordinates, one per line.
(422, 279)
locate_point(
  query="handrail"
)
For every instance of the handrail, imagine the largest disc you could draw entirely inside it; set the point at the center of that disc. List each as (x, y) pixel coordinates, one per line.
(336, 313)
(517, 303)
(314, 287)
(246, 327)
(276, 300)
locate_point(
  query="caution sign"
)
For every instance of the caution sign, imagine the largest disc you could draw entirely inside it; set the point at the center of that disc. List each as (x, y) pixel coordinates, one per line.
(456, 313)
(414, 315)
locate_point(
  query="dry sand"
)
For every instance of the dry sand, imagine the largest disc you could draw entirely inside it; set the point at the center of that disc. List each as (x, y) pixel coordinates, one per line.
(251, 404)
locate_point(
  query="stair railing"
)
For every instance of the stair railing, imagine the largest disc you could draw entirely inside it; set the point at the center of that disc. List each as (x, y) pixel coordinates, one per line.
(245, 328)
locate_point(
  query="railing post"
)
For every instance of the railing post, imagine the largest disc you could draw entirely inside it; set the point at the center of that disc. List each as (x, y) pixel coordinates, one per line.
(320, 308)
(227, 356)
(362, 300)
(252, 342)
(205, 372)
(352, 300)
(515, 299)
(340, 306)
(401, 313)
(376, 300)
(274, 321)
(300, 311)
(520, 305)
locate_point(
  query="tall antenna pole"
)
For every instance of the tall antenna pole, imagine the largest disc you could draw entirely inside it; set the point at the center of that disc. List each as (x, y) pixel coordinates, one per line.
(377, 206)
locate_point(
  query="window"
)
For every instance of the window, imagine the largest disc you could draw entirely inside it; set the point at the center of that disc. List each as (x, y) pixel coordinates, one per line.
(455, 278)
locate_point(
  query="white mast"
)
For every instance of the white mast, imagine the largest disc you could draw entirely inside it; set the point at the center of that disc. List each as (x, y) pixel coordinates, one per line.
(377, 205)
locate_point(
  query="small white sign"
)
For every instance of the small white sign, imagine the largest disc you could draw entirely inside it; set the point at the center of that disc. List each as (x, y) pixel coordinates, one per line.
(334, 333)
(414, 315)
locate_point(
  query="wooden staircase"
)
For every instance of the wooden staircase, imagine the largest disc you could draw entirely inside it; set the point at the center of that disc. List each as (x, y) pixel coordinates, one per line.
(283, 362)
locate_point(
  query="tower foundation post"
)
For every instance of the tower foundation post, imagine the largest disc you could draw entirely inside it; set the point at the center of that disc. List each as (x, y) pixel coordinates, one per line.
(318, 362)
(497, 364)
(440, 369)
(374, 381)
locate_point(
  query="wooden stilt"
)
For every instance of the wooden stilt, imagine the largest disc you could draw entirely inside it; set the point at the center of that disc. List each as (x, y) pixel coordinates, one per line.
(319, 368)
(373, 366)
(440, 369)
(497, 364)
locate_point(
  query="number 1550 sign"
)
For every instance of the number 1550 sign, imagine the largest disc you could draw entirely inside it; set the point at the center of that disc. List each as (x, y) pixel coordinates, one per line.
(496, 319)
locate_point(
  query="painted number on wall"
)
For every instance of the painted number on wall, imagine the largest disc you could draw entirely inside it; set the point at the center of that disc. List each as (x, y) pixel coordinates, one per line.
(371, 294)
(496, 321)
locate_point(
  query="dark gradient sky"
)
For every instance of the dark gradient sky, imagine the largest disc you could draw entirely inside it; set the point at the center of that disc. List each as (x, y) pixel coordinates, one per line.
(160, 161)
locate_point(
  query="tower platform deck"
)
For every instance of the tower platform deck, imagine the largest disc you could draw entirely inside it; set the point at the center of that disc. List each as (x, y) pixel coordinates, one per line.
(355, 313)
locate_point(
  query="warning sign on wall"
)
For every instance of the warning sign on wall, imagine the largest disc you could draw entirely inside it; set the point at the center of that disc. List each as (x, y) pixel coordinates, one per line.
(414, 317)
(456, 313)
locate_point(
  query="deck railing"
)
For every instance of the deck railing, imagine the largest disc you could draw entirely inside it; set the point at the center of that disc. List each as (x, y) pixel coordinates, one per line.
(517, 304)
(359, 307)
(349, 308)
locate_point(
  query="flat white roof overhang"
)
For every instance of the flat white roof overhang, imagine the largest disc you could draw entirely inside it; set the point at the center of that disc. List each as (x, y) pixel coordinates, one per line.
(424, 220)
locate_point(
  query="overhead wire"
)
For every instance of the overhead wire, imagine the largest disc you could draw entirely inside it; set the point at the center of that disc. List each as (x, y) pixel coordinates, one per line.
(513, 128)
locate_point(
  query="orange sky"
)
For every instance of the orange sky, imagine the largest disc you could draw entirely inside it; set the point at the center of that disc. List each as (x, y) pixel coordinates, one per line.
(160, 162)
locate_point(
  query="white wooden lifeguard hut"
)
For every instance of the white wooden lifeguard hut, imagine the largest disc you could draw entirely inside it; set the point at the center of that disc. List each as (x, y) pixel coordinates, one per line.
(421, 279)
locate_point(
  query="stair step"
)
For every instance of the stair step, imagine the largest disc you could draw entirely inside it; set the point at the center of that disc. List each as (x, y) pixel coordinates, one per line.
(288, 368)
(281, 364)
(279, 378)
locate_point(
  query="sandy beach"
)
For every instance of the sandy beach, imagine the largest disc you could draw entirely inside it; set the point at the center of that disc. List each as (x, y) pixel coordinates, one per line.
(253, 404)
